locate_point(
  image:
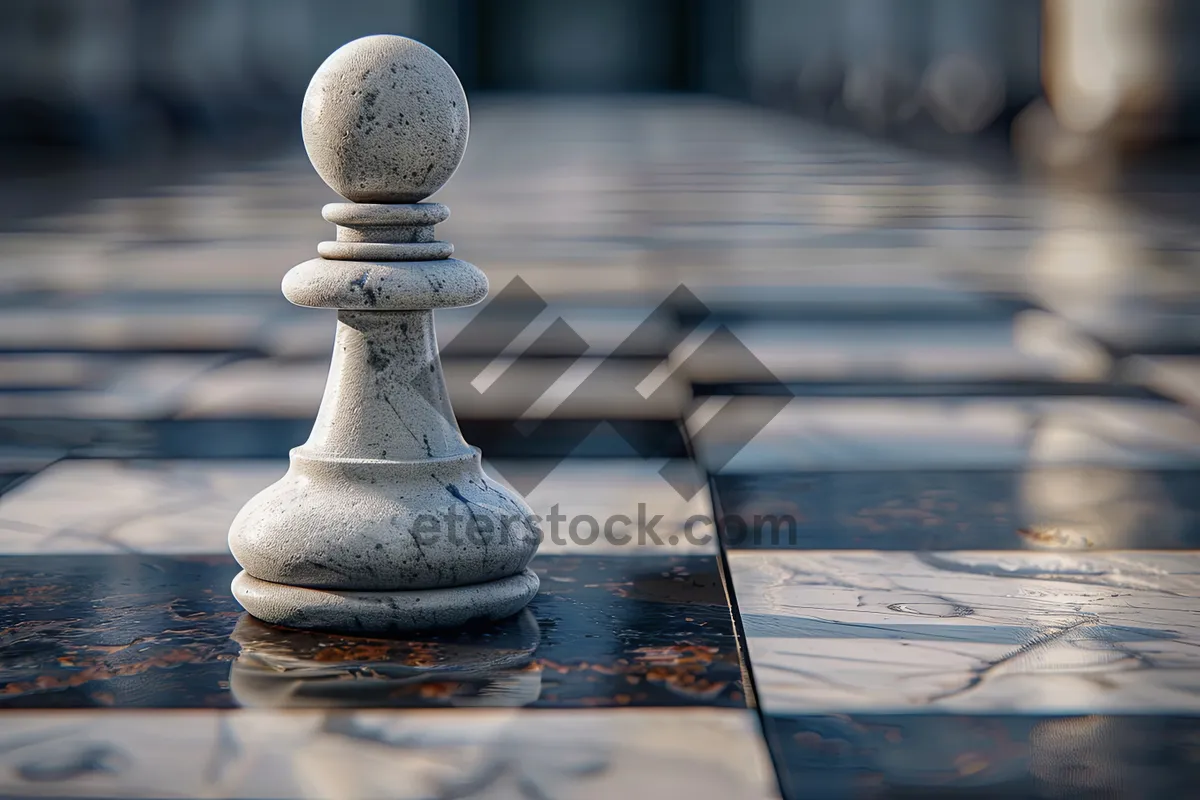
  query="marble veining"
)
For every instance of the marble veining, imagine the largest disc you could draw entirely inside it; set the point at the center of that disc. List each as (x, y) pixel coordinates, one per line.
(478, 753)
(972, 631)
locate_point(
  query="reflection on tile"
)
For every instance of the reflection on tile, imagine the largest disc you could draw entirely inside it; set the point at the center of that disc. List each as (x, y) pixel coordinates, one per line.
(163, 631)
(992, 756)
(489, 667)
(1051, 508)
(696, 753)
(808, 434)
(1116, 278)
(833, 632)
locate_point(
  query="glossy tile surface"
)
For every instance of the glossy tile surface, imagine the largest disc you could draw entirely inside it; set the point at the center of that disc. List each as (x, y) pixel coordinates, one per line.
(767, 434)
(157, 631)
(993, 756)
(1039, 508)
(972, 631)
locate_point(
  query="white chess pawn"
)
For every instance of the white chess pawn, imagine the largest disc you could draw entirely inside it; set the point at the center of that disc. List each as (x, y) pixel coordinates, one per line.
(385, 520)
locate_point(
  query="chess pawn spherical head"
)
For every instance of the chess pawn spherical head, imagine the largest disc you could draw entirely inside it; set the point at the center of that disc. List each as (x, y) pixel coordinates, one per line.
(385, 120)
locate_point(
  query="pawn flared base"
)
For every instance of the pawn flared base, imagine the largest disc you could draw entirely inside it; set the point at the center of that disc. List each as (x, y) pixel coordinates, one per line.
(384, 612)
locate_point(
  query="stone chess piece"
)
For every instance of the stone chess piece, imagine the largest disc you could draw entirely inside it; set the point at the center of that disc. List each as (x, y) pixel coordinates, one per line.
(385, 520)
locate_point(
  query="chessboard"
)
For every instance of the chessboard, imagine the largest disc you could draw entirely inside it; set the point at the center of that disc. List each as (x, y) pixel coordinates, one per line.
(906, 456)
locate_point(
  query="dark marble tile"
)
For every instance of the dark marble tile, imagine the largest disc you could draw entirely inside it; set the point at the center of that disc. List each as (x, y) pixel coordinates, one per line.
(10, 477)
(858, 305)
(1001, 756)
(1044, 507)
(134, 631)
(920, 388)
(258, 437)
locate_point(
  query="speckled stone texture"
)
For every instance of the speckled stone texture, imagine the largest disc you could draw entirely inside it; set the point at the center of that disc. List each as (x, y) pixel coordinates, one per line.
(385, 120)
(384, 612)
(385, 520)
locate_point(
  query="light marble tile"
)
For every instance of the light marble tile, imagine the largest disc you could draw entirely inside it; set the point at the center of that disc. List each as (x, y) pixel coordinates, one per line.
(697, 753)
(99, 506)
(616, 494)
(972, 632)
(755, 435)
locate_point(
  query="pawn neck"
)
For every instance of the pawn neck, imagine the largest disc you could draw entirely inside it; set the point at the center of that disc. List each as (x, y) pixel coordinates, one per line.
(386, 397)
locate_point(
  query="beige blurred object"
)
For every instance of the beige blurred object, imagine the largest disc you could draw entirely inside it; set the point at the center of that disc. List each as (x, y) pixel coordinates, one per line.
(1106, 74)
(1106, 65)
(1085, 507)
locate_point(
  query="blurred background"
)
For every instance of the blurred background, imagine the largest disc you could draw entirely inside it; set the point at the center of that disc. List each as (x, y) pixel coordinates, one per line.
(942, 271)
(1075, 76)
(959, 233)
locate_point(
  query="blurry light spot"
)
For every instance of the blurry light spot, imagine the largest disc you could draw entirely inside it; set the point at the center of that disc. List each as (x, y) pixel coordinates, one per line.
(880, 94)
(964, 94)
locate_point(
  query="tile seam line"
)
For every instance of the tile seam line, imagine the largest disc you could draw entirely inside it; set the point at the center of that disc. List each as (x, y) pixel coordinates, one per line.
(749, 685)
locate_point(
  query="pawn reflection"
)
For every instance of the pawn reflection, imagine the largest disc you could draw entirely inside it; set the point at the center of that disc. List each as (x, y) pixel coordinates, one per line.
(485, 666)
